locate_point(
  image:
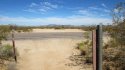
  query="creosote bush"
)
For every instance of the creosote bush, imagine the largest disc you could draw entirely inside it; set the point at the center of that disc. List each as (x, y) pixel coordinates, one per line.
(85, 48)
(6, 55)
(6, 52)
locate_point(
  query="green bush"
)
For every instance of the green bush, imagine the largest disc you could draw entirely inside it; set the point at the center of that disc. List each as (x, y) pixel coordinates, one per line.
(6, 52)
(84, 46)
(85, 51)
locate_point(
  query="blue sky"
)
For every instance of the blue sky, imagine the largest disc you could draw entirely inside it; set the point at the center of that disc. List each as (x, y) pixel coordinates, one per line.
(62, 12)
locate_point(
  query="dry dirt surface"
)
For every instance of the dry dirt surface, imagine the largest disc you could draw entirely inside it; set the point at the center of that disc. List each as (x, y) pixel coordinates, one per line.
(57, 30)
(45, 54)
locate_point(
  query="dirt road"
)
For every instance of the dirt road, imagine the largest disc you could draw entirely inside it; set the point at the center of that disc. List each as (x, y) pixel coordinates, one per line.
(45, 54)
(48, 54)
(44, 35)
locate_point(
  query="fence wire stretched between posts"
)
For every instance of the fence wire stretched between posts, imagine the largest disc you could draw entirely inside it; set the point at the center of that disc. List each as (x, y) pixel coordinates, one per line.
(114, 50)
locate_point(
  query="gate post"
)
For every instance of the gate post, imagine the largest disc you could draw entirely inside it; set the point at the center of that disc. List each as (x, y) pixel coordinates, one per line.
(94, 48)
(99, 47)
(13, 41)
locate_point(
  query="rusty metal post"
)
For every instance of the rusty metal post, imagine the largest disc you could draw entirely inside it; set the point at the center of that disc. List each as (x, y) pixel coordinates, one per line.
(13, 42)
(94, 48)
(99, 47)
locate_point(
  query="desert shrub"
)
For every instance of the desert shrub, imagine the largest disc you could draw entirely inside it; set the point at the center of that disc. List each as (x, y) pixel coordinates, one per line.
(114, 57)
(57, 28)
(21, 28)
(84, 58)
(27, 30)
(86, 35)
(6, 55)
(4, 31)
(19, 31)
(85, 48)
(83, 53)
(6, 52)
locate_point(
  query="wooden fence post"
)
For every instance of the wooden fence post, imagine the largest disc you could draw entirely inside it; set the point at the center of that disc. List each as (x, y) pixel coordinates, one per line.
(94, 48)
(13, 42)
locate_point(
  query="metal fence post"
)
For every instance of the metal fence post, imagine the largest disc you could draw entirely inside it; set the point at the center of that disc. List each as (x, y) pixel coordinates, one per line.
(99, 47)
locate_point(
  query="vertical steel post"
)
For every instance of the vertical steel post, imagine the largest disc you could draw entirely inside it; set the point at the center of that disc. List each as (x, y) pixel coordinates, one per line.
(94, 48)
(99, 47)
(13, 42)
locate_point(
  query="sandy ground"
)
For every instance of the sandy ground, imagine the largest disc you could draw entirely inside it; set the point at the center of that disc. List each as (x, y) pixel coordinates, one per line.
(58, 30)
(46, 54)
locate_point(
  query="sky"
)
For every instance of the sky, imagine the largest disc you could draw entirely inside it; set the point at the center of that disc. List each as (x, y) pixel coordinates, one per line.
(60, 12)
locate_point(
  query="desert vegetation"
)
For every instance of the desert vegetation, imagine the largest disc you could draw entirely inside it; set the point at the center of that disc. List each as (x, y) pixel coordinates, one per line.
(4, 31)
(114, 50)
(6, 53)
(83, 58)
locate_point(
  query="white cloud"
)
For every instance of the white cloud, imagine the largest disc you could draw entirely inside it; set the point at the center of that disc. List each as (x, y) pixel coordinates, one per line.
(107, 11)
(93, 12)
(41, 7)
(94, 8)
(100, 9)
(31, 10)
(71, 20)
(42, 10)
(50, 5)
(33, 4)
(104, 5)
(116, 10)
(85, 12)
